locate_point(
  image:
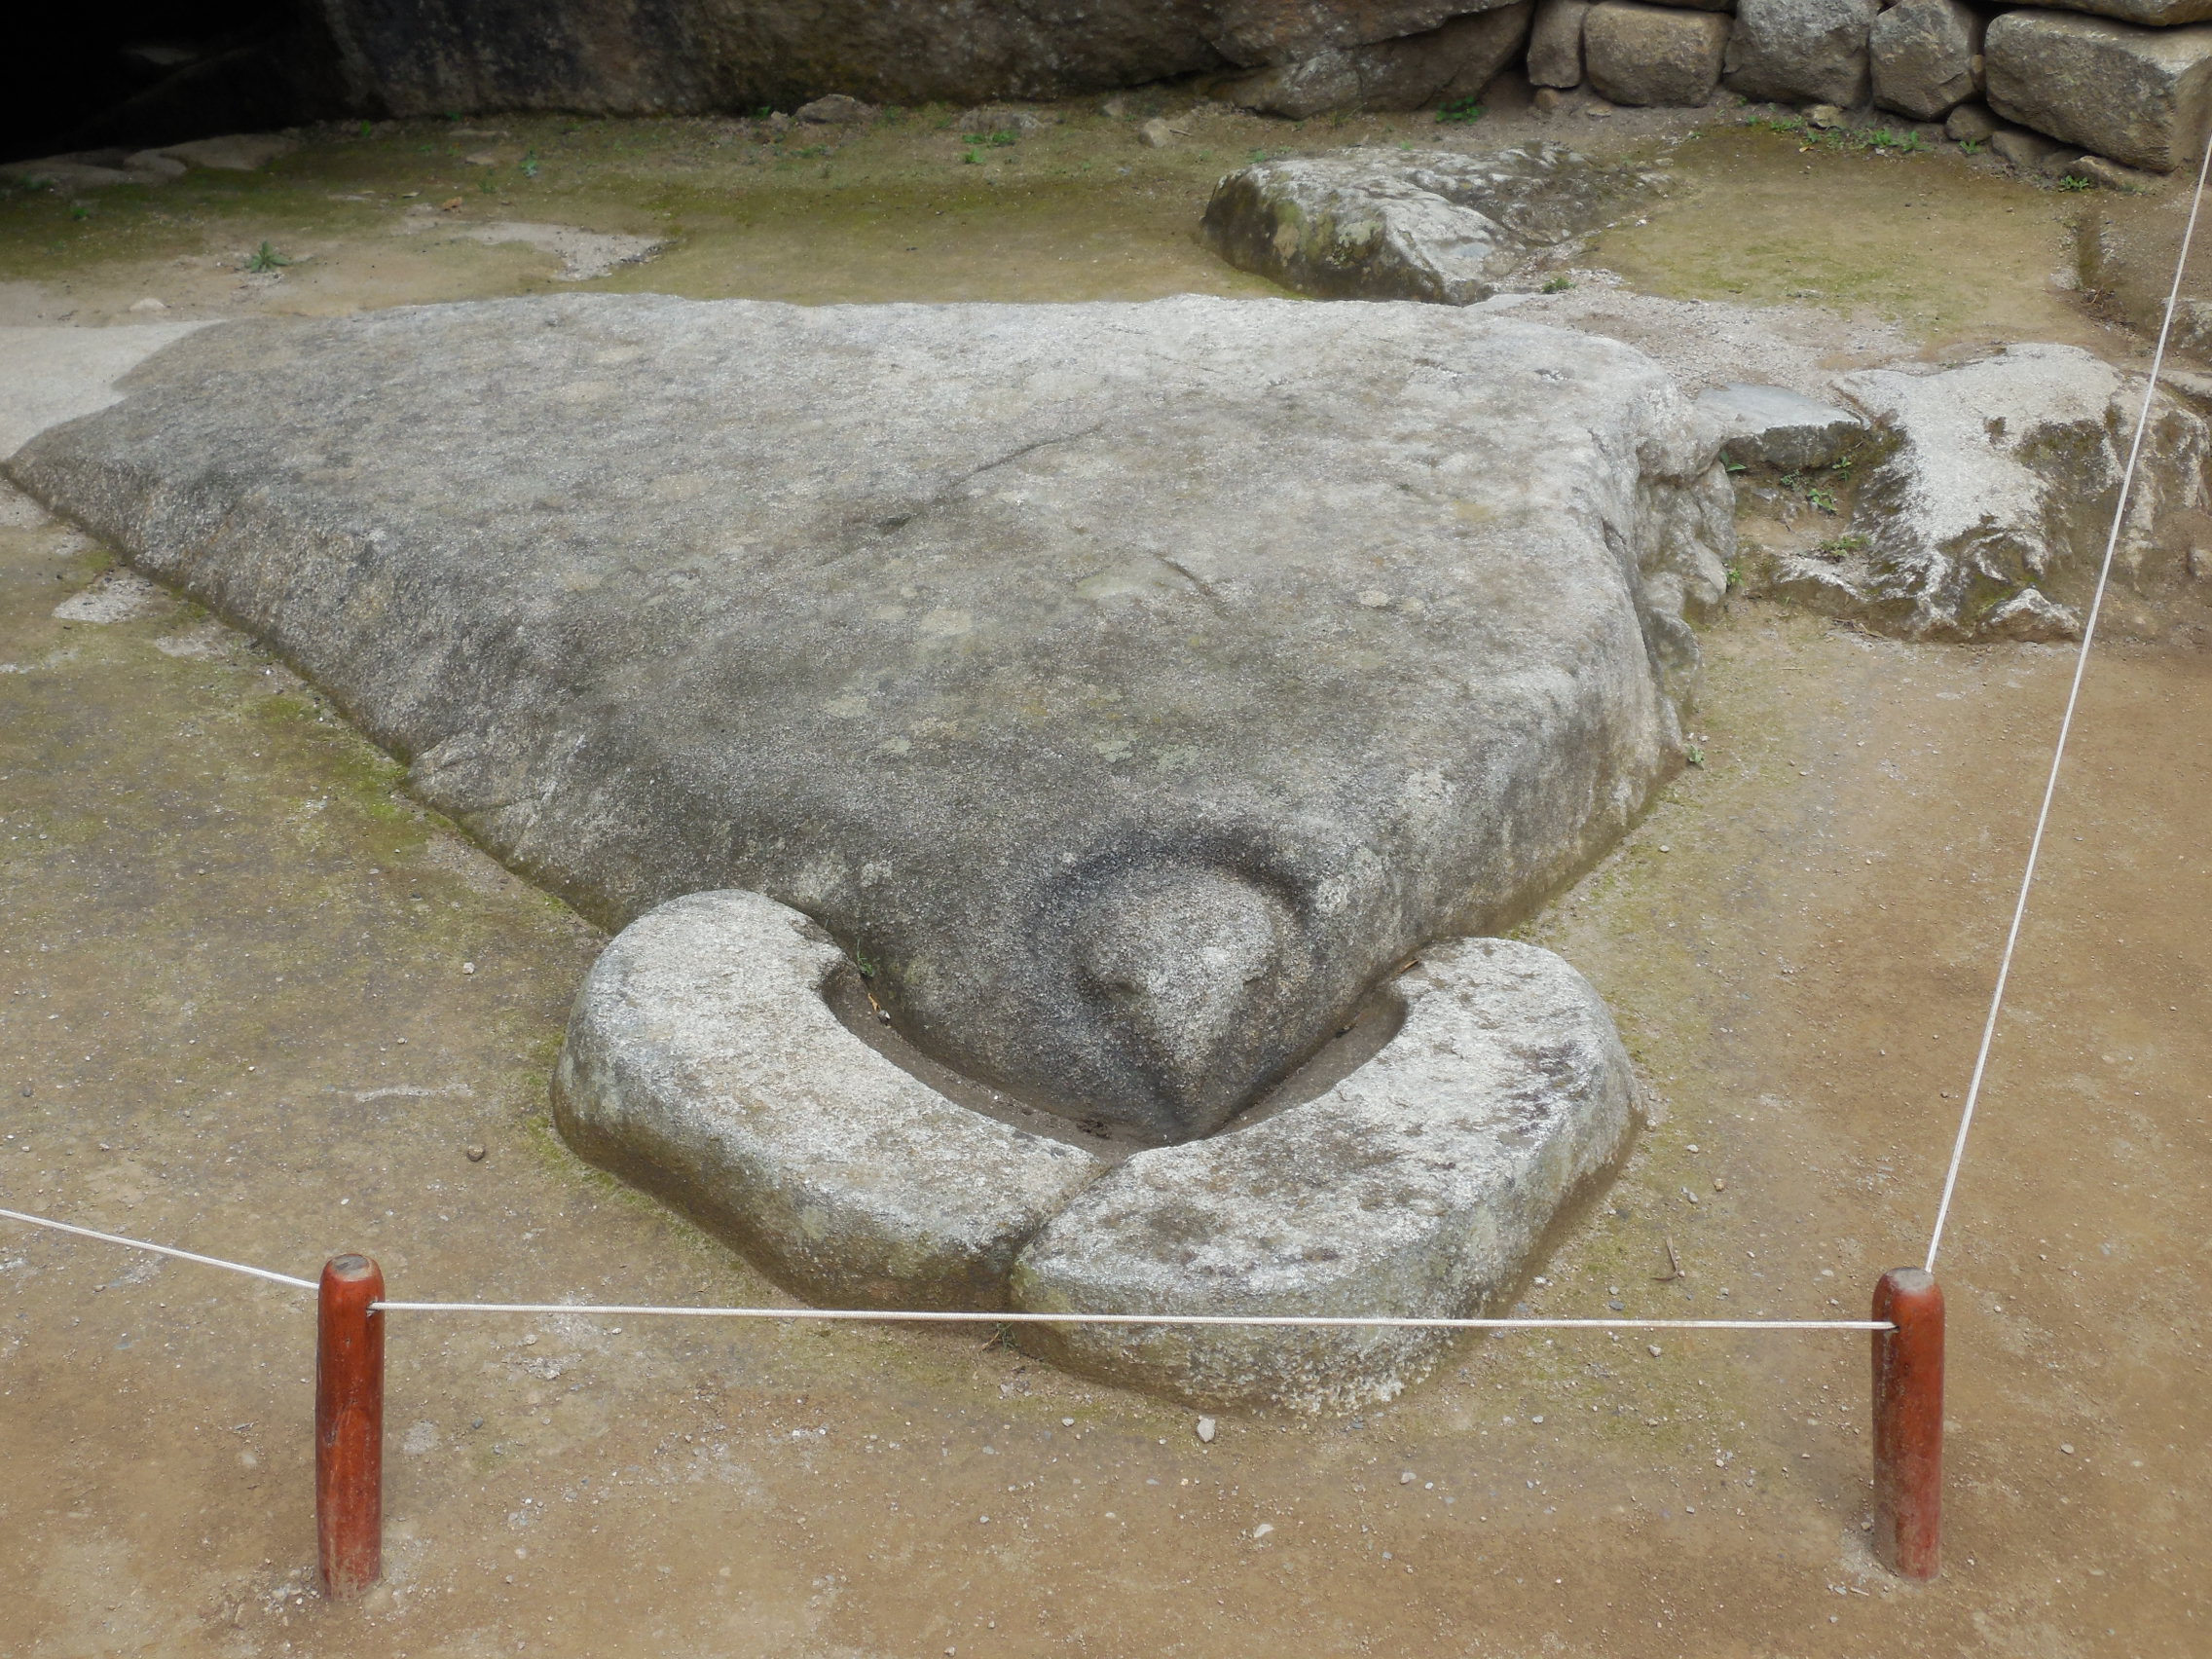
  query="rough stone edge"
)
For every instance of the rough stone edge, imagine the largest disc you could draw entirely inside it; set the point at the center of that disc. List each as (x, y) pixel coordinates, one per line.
(1324, 1371)
(699, 1056)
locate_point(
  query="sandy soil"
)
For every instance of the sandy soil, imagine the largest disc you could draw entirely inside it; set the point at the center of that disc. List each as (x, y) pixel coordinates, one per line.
(236, 1014)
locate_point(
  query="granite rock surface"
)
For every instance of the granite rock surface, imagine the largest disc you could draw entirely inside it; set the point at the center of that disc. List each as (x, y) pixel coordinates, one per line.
(1385, 224)
(1802, 50)
(2142, 96)
(704, 1064)
(1654, 55)
(1418, 1186)
(1925, 57)
(1134, 684)
(1444, 65)
(1984, 510)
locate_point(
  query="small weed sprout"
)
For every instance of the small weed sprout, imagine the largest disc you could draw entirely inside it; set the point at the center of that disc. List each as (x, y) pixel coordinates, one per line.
(1823, 501)
(1836, 546)
(975, 143)
(1694, 755)
(1735, 574)
(1558, 284)
(2074, 182)
(265, 258)
(1461, 112)
(530, 163)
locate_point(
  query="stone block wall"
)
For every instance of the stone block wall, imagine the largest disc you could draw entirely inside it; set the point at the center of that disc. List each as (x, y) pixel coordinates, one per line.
(2126, 80)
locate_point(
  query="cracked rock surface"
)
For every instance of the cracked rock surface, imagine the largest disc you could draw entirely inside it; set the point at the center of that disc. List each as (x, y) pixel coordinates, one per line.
(1415, 1187)
(1376, 224)
(1130, 686)
(704, 1064)
(1986, 508)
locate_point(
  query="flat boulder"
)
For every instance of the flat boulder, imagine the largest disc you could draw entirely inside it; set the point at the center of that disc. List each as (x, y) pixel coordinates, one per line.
(232, 151)
(1802, 50)
(1416, 1187)
(1777, 429)
(1654, 55)
(1131, 685)
(2142, 96)
(1430, 225)
(1984, 510)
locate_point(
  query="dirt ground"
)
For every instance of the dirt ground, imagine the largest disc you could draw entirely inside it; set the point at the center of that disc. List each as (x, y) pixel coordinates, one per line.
(253, 1001)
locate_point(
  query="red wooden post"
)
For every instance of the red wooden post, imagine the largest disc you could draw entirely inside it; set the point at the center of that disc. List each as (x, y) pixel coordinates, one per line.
(1908, 1424)
(348, 1427)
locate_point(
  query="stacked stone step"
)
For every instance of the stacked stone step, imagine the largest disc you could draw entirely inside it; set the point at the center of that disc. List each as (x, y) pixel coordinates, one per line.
(2129, 81)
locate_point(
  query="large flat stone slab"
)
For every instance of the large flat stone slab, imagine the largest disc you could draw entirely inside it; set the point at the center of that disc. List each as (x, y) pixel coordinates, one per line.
(1387, 224)
(704, 1064)
(1781, 430)
(2139, 95)
(1134, 686)
(1418, 1186)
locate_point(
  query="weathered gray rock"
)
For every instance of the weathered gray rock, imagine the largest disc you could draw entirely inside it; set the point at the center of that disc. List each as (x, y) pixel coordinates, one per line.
(1452, 62)
(1802, 50)
(1971, 123)
(1654, 55)
(1433, 224)
(703, 1063)
(234, 152)
(69, 175)
(1768, 426)
(835, 109)
(1134, 684)
(1987, 515)
(1925, 57)
(1555, 42)
(412, 57)
(1417, 1186)
(999, 117)
(2142, 96)
(2110, 175)
(154, 167)
(2025, 150)
(2154, 14)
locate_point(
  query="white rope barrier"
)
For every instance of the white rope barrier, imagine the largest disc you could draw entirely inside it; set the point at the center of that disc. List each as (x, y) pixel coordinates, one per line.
(2066, 722)
(160, 1249)
(1294, 1322)
(938, 1316)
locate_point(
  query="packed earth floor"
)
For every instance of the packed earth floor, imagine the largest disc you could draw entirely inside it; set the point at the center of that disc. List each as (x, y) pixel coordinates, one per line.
(255, 1002)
